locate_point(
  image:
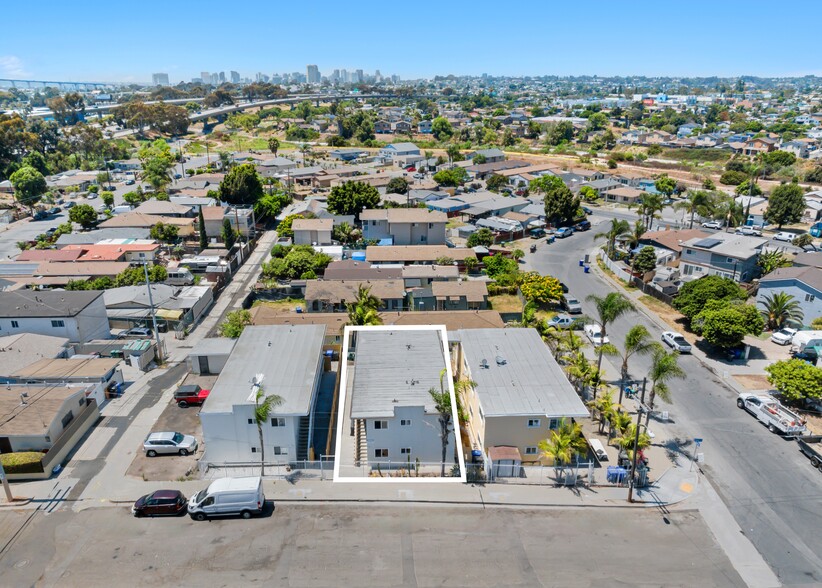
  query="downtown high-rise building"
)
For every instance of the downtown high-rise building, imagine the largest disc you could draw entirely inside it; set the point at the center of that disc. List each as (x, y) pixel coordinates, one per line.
(205, 77)
(159, 79)
(235, 77)
(312, 74)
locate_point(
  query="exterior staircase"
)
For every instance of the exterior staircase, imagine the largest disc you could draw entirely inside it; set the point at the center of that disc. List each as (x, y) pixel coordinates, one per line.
(361, 442)
(302, 438)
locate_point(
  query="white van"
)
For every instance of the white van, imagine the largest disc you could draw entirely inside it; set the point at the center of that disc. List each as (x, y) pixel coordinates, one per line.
(228, 496)
(179, 276)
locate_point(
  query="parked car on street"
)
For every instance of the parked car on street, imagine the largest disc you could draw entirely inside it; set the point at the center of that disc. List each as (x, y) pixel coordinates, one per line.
(811, 445)
(783, 336)
(583, 225)
(228, 496)
(564, 232)
(571, 305)
(785, 236)
(160, 503)
(714, 224)
(136, 332)
(749, 231)
(676, 341)
(594, 334)
(771, 413)
(169, 443)
(129, 182)
(586, 210)
(70, 205)
(564, 321)
(189, 395)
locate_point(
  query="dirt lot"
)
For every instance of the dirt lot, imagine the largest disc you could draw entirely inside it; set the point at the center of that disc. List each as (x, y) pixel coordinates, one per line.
(174, 418)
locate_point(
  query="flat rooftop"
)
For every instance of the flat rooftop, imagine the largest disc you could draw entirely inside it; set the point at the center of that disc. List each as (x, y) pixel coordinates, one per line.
(521, 376)
(287, 355)
(42, 406)
(395, 368)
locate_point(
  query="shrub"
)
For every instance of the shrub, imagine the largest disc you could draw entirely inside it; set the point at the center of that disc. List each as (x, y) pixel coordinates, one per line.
(24, 462)
(733, 178)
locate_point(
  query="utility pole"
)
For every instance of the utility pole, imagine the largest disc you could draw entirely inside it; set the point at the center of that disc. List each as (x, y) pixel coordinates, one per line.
(6, 487)
(153, 316)
(636, 442)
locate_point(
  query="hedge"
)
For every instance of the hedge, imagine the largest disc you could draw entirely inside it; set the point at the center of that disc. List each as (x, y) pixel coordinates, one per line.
(25, 462)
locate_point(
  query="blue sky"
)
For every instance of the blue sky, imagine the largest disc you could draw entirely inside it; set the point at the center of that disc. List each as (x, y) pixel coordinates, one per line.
(127, 41)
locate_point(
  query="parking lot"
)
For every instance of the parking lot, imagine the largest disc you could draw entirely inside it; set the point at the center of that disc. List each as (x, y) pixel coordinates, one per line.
(316, 546)
(174, 418)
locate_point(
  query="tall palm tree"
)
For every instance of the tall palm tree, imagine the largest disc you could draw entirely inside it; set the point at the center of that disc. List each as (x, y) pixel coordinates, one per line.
(649, 205)
(565, 442)
(365, 309)
(771, 260)
(635, 234)
(618, 228)
(628, 438)
(262, 410)
(442, 404)
(345, 233)
(780, 308)
(637, 342)
(620, 421)
(605, 407)
(664, 367)
(696, 201)
(609, 308)
(564, 341)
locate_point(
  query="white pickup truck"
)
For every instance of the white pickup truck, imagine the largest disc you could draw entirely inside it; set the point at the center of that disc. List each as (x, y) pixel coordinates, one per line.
(768, 410)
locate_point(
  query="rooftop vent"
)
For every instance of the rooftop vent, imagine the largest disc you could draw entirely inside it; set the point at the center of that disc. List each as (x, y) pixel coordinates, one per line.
(501, 360)
(484, 364)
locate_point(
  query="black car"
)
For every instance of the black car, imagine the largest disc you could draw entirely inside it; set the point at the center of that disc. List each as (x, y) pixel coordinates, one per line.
(583, 225)
(55, 210)
(160, 503)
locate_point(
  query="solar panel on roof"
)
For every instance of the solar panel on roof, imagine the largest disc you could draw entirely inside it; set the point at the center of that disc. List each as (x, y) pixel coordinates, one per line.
(708, 243)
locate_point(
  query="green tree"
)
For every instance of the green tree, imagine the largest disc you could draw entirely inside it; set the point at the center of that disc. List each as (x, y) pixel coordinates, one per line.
(561, 132)
(771, 260)
(696, 202)
(441, 129)
(540, 289)
(365, 308)
(785, 205)
(453, 153)
(597, 121)
(779, 308)
(664, 367)
(482, 237)
(795, 379)
(345, 233)
(445, 417)
(107, 198)
(351, 198)
(588, 194)
(724, 323)
(201, 230)
(748, 189)
(733, 178)
(779, 159)
(156, 160)
(451, 177)
(665, 185)
(802, 240)
(649, 205)
(693, 296)
(83, 214)
(133, 198)
(263, 405)
(398, 185)
(228, 234)
(241, 186)
(564, 444)
(284, 228)
(618, 229)
(234, 323)
(164, 233)
(560, 203)
(609, 308)
(29, 186)
(36, 160)
(645, 260)
(496, 182)
(499, 265)
(637, 342)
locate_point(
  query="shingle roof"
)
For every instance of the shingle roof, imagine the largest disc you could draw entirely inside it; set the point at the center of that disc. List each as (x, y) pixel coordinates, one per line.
(416, 253)
(404, 215)
(811, 276)
(30, 303)
(473, 290)
(339, 291)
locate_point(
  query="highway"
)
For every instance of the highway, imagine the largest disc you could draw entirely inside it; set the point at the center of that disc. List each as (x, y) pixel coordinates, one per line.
(768, 485)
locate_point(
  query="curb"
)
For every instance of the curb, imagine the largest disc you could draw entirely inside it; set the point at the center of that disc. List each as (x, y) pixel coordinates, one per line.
(17, 502)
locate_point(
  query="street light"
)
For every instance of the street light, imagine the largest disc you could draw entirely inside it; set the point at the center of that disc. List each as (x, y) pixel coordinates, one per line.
(153, 315)
(636, 441)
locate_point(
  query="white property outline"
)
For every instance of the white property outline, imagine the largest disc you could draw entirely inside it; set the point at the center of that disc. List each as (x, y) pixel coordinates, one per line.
(341, 416)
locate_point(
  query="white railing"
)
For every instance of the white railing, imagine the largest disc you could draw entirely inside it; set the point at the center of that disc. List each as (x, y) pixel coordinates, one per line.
(614, 267)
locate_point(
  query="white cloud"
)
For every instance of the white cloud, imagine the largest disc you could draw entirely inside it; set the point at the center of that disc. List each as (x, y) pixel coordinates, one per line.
(12, 66)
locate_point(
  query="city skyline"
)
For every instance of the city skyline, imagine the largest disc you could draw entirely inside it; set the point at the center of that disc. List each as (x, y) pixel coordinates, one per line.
(686, 46)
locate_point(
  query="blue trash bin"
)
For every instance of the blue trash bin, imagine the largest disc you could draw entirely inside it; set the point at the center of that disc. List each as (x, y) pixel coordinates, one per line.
(587, 269)
(581, 262)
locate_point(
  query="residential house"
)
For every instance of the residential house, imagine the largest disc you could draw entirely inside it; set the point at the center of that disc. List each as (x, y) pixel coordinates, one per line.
(133, 219)
(241, 219)
(460, 295)
(352, 269)
(760, 145)
(126, 235)
(601, 187)
(519, 393)
(346, 154)
(421, 276)
(275, 166)
(803, 283)
(658, 138)
(623, 195)
(404, 226)
(492, 155)
(28, 347)
(417, 254)
(137, 251)
(382, 127)
(129, 306)
(671, 240)
(686, 129)
(401, 127)
(312, 231)
(706, 140)
(165, 208)
(75, 315)
(95, 376)
(395, 150)
(798, 148)
(286, 361)
(424, 127)
(392, 413)
(333, 295)
(723, 254)
(484, 170)
(186, 308)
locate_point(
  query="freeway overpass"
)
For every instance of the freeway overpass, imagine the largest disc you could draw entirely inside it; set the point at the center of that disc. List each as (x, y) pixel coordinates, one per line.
(104, 108)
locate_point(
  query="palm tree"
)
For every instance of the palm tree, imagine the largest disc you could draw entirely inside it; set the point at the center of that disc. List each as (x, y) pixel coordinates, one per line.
(696, 201)
(518, 254)
(628, 438)
(262, 410)
(637, 342)
(345, 233)
(365, 309)
(635, 234)
(620, 421)
(609, 308)
(618, 228)
(564, 341)
(605, 407)
(771, 260)
(565, 442)
(274, 145)
(649, 205)
(780, 308)
(442, 404)
(664, 367)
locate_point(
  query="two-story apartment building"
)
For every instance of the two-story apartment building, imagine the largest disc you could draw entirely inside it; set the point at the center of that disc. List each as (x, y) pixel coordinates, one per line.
(398, 150)
(392, 413)
(312, 231)
(803, 283)
(722, 254)
(333, 295)
(404, 226)
(519, 392)
(289, 358)
(79, 316)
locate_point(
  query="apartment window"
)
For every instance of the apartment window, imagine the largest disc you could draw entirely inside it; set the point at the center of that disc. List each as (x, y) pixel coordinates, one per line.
(405, 423)
(809, 297)
(250, 421)
(67, 418)
(730, 259)
(380, 453)
(422, 238)
(533, 423)
(253, 450)
(405, 451)
(380, 424)
(689, 251)
(530, 451)
(278, 422)
(553, 424)
(58, 324)
(15, 325)
(281, 451)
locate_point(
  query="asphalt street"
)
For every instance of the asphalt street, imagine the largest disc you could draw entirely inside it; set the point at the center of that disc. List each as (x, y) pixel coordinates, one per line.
(768, 485)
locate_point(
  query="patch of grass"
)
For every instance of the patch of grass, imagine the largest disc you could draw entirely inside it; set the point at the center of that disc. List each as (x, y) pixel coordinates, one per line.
(505, 303)
(697, 155)
(23, 462)
(287, 304)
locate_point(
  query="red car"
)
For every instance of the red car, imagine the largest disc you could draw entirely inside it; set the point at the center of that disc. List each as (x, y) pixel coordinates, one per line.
(190, 394)
(160, 503)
